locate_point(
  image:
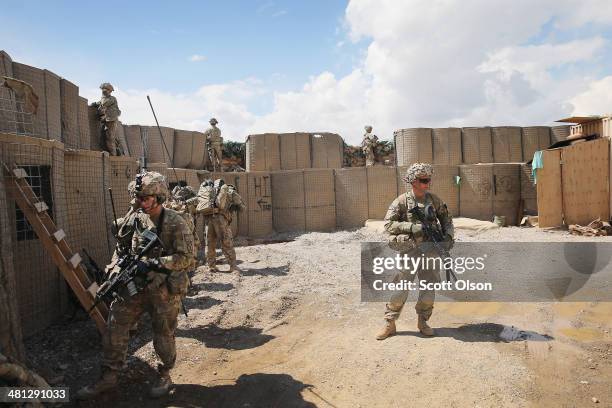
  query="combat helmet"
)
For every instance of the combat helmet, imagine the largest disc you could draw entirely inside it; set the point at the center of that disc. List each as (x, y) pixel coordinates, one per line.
(213, 121)
(151, 183)
(107, 86)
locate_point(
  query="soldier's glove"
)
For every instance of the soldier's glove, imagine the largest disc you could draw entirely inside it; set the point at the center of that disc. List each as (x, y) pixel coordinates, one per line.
(404, 227)
(416, 230)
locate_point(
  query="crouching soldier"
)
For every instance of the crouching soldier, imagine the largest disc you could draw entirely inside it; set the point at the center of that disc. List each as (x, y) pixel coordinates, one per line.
(165, 269)
(404, 227)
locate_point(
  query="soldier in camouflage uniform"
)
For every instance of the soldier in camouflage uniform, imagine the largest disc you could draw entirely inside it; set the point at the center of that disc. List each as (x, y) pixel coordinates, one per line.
(215, 144)
(165, 268)
(405, 228)
(108, 113)
(184, 201)
(368, 146)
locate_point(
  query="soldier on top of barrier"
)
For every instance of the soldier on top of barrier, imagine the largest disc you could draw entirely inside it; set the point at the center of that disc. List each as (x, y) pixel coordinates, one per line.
(108, 115)
(214, 144)
(404, 227)
(163, 269)
(368, 146)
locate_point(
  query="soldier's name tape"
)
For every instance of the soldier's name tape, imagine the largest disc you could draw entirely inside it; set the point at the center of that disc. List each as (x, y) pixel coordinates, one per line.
(27, 394)
(461, 285)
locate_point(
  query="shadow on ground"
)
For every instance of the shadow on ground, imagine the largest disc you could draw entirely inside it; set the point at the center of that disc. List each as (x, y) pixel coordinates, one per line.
(274, 271)
(484, 332)
(235, 338)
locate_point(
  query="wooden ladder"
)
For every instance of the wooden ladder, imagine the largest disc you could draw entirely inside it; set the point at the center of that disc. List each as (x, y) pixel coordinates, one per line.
(54, 242)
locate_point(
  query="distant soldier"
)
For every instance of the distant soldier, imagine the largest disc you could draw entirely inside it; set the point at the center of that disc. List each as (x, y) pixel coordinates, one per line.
(405, 227)
(214, 144)
(368, 146)
(108, 114)
(217, 202)
(184, 201)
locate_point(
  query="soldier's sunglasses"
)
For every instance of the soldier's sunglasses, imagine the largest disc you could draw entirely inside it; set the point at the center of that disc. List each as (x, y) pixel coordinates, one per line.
(424, 180)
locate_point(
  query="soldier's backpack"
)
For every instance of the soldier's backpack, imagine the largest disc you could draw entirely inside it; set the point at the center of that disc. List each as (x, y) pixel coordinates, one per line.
(228, 199)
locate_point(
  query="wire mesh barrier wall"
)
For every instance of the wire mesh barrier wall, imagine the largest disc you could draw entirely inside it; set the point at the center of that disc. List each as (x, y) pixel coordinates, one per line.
(534, 138)
(477, 145)
(69, 93)
(558, 133)
(183, 143)
(447, 146)
(413, 145)
(40, 290)
(507, 146)
(83, 122)
(53, 103)
(199, 154)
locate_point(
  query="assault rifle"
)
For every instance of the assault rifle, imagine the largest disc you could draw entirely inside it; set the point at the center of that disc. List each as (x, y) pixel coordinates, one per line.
(129, 280)
(433, 233)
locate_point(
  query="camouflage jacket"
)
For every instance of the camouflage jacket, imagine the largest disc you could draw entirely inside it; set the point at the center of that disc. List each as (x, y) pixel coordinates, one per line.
(109, 109)
(399, 221)
(369, 142)
(213, 135)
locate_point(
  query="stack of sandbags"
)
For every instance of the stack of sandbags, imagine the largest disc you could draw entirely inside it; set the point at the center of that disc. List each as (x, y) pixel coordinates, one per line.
(413, 146)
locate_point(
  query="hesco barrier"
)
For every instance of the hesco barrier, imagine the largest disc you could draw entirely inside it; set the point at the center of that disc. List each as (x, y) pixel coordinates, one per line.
(199, 154)
(36, 78)
(69, 95)
(183, 144)
(529, 193)
(382, 189)
(53, 103)
(447, 146)
(351, 197)
(413, 146)
(288, 207)
(558, 133)
(319, 200)
(123, 170)
(293, 151)
(83, 120)
(490, 189)
(477, 145)
(534, 138)
(7, 102)
(443, 184)
(94, 129)
(155, 148)
(259, 203)
(507, 146)
(133, 138)
(121, 137)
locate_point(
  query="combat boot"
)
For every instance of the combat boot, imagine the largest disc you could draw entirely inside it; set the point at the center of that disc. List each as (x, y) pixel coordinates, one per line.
(424, 327)
(163, 385)
(388, 331)
(107, 382)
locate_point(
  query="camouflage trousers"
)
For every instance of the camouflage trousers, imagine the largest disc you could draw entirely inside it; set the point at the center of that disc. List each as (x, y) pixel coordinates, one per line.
(370, 158)
(425, 300)
(219, 228)
(217, 155)
(163, 308)
(109, 135)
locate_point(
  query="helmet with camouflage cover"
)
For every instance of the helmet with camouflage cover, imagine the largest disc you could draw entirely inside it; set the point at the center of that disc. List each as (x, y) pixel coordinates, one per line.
(151, 183)
(213, 121)
(183, 193)
(368, 128)
(107, 86)
(418, 169)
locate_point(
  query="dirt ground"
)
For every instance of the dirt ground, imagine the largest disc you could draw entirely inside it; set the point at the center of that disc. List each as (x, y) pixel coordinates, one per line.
(290, 331)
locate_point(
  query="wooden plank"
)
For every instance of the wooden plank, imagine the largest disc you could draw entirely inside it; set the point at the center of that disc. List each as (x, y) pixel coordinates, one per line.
(550, 198)
(586, 178)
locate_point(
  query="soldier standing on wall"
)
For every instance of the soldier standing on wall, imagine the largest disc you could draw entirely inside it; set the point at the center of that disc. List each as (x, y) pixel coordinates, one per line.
(368, 146)
(165, 268)
(214, 144)
(404, 227)
(108, 114)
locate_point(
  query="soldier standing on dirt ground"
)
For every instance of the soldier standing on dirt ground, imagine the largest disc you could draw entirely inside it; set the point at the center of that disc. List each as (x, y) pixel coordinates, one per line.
(214, 143)
(165, 268)
(404, 227)
(108, 114)
(217, 202)
(368, 145)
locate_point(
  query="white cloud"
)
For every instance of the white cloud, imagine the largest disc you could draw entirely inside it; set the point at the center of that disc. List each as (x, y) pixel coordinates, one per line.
(427, 63)
(197, 58)
(279, 13)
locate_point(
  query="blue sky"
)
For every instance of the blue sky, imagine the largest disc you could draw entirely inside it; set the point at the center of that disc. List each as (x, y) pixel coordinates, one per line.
(286, 66)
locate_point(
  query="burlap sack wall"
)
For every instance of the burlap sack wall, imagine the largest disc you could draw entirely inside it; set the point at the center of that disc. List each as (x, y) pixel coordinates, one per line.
(156, 151)
(382, 190)
(199, 154)
(123, 169)
(36, 78)
(351, 197)
(183, 144)
(535, 138)
(259, 204)
(507, 144)
(476, 191)
(83, 121)
(477, 145)
(529, 193)
(53, 104)
(413, 146)
(7, 104)
(288, 211)
(446, 146)
(294, 151)
(69, 94)
(94, 128)
(133, 139)
(87, 178)
(507, 191)
(326, 151)
(558, 133)
(41, 291)
(442, 184)
(319, 200)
